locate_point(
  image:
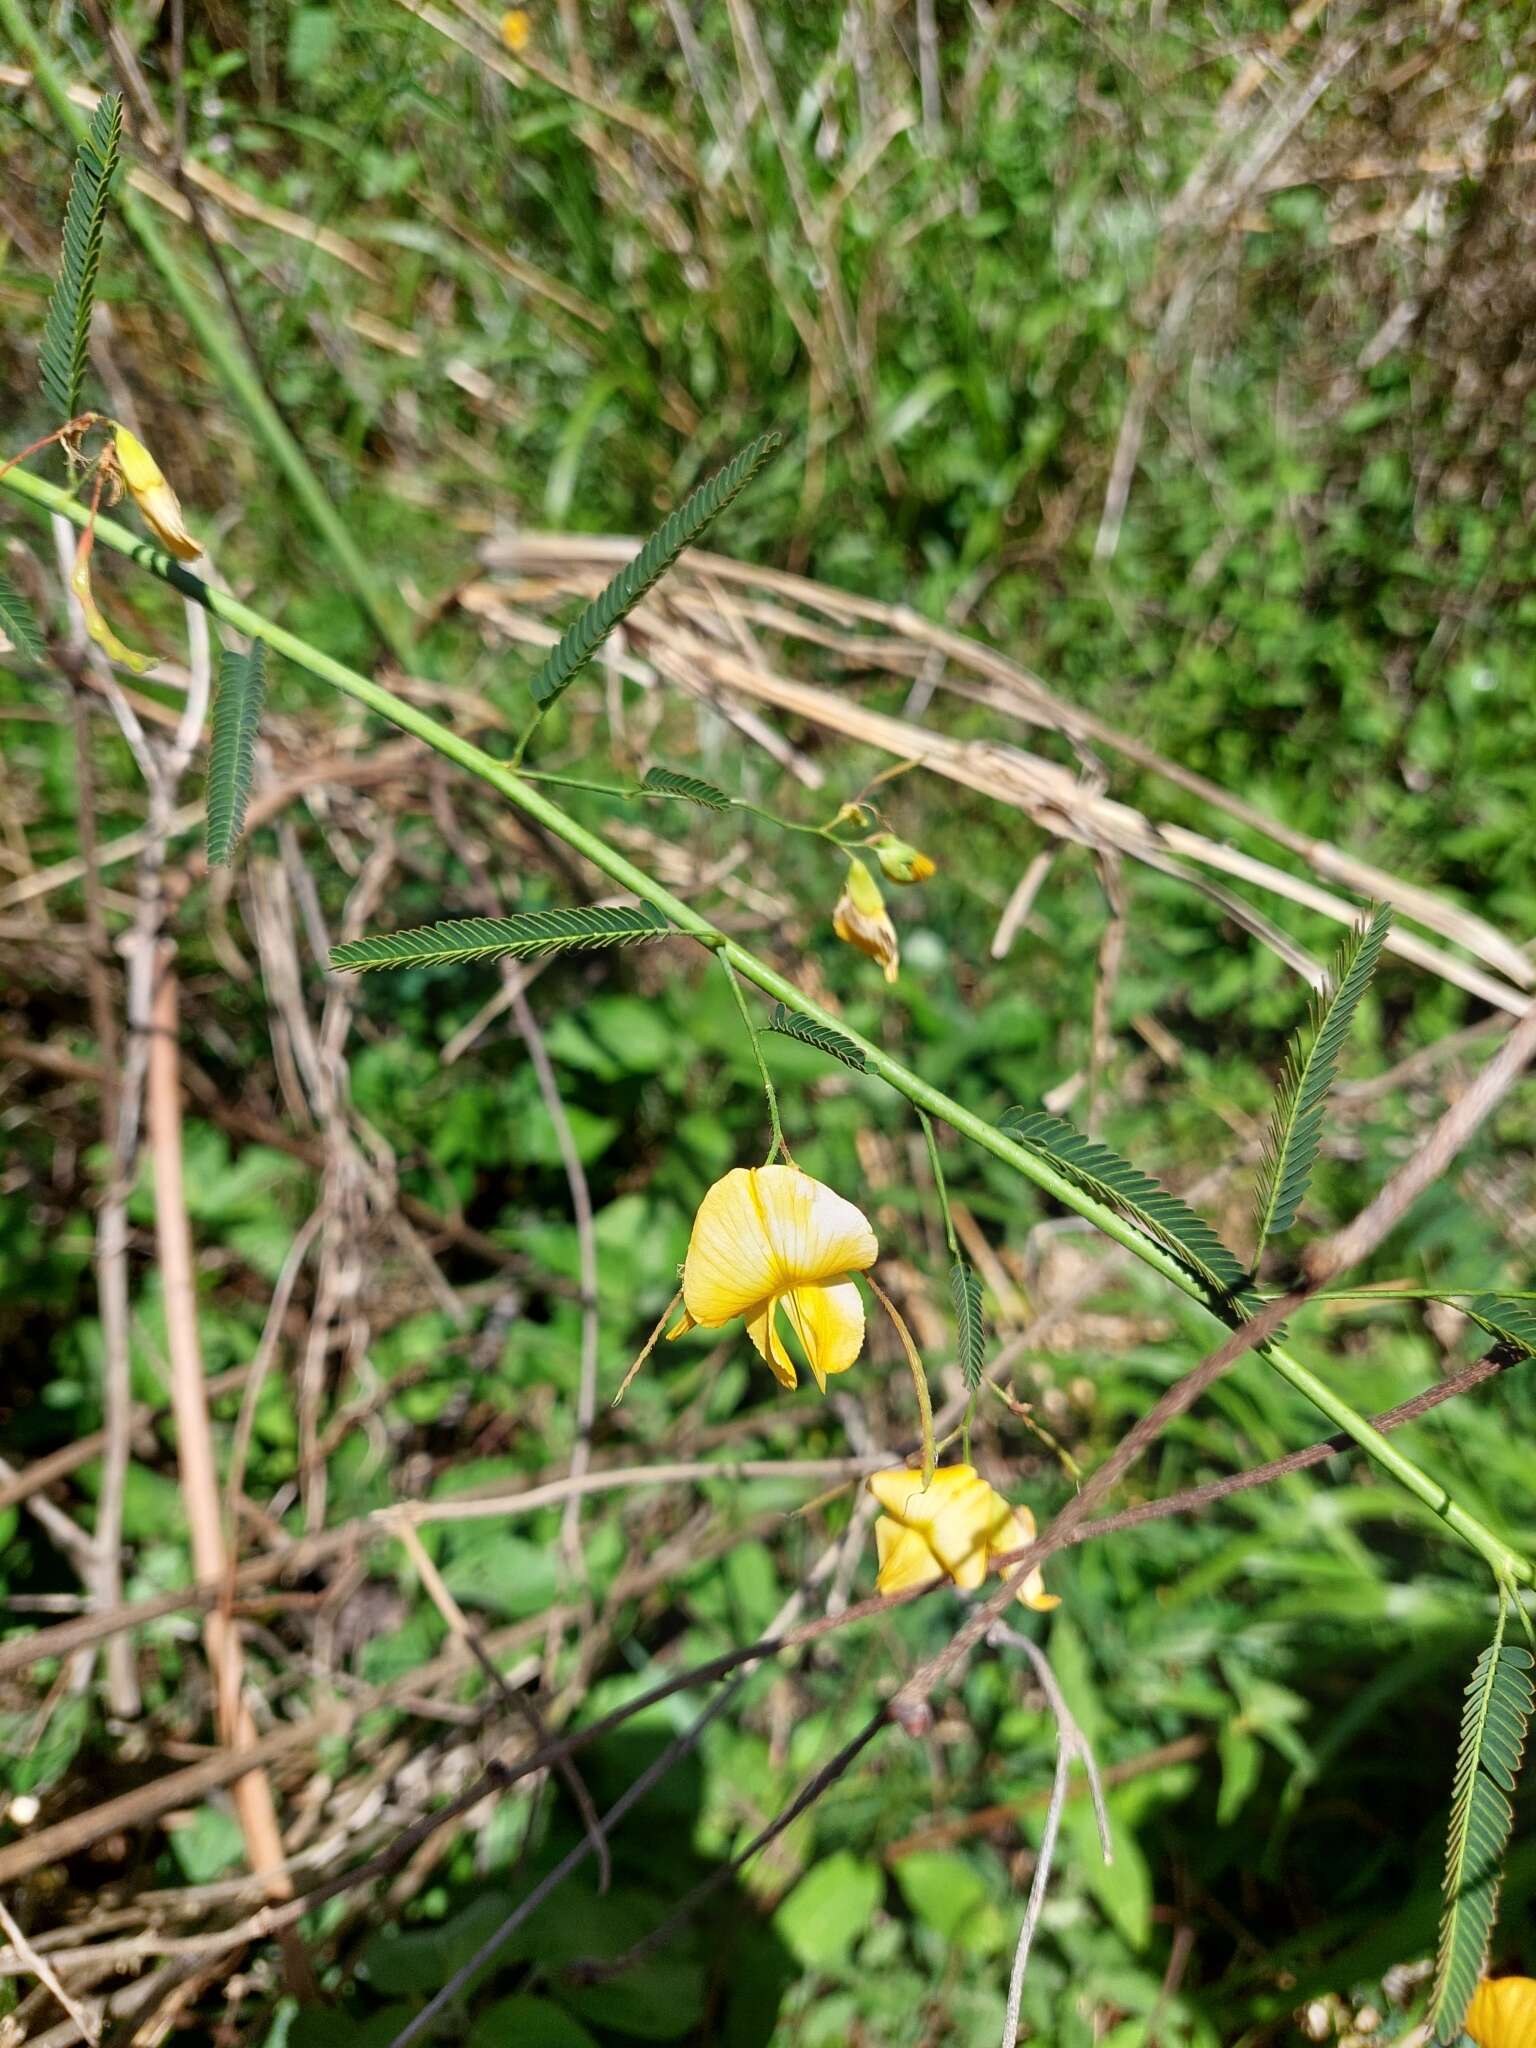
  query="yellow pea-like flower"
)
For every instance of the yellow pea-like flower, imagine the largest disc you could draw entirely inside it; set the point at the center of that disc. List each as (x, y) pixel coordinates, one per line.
(1503, 2013)
(768, 1239)
(900, 862)
(953, 1529)
(153, 496)
(861, 919)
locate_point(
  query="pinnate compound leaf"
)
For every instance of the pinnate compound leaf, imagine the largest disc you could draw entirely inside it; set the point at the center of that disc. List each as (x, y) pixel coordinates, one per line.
(19, 622)
(528, 934)
(668, 782)
(67, 331)
(1140, 1201)
(971, 1335)
(232, 755)
(1296, 1123)
(1494, 1721)
(809, 1032)
(699, 509)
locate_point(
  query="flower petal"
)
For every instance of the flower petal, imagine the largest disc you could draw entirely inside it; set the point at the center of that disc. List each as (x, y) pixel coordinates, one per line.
(96, 622)
(905, 1559)
(730, 1268)
(829, 1321)
(762, 1328)
(816, 1236)
(965, 1531)
(1503, 2013)
(154, 496)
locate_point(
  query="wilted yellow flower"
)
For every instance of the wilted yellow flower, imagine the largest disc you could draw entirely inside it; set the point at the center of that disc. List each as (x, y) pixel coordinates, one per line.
(900, 862)
(768, 1238)
(154, 496)
(953, 1530)
(95, 622)
(861, 919)
(1503, 2013)
(516, 29)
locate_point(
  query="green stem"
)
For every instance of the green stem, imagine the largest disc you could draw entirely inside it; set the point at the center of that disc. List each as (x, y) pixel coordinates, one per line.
(223, 351)
(778, 1144)
(518, 791)
(938, 1185)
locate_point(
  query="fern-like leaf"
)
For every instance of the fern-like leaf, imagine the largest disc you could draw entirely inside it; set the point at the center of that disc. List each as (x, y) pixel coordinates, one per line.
(232, 756)
(1141, 1201)
(18, 621)
(822, 1036)
(1511, 1324)
(582, 639)
(970, 1332)
(668, 782)
(522, 937)
(1296, 1123)
(1493, 1731)
(67, 332)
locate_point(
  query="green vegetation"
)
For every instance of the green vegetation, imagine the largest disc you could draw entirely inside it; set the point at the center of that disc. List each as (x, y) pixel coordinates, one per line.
(1182, 363)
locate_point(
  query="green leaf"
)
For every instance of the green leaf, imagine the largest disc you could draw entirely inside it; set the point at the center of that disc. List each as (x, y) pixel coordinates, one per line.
(582, 639)
(232, 756)
(17, 619)
(530, 933)
(1296, 1123)
(830, 1910)
(1141, 1201)
(971, 1336)
(822, 1036)
(67, 332)
(668, 782)
(1493, 1731)
(947, 1893)
(1512, 1324)
(530, 2023)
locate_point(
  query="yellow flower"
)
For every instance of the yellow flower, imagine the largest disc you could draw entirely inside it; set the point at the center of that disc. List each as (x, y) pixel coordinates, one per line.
(1503, 2013)
(955, 1530)
(861, 919)
(154, 496)
(516, 29)
(770, 1237)
(900, 862)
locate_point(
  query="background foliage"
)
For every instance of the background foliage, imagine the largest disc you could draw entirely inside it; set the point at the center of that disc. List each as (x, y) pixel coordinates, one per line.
(557, 289)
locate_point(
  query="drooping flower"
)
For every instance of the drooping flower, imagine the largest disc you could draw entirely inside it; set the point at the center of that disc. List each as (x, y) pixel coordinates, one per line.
(861, 919)
(900, 862)
(955, 1529)
(1503, 2013)
(154, 496)
(770, 1238)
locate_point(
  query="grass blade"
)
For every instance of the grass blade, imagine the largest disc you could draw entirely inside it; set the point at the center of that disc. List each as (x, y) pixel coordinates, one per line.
(582, 639)
(67, 332)
(530, 933)
(1296, 1123)
(232, 756)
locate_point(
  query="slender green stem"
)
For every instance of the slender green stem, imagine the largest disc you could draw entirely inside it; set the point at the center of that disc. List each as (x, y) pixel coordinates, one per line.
(778, 1144)
(938, 1184)
(919, 1378)
(223, 351)
(520, 792)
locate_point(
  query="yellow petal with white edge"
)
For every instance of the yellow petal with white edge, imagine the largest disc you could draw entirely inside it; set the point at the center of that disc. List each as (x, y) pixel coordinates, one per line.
(762, 1328)
(154, 497)
(96, 624)
(1503, 2013)
(905, 1559)
(766, 1229)
(829, 1321)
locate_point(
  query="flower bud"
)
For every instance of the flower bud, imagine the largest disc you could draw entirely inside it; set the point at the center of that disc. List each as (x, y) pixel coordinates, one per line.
(154, 496)
(900, 862)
